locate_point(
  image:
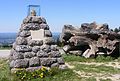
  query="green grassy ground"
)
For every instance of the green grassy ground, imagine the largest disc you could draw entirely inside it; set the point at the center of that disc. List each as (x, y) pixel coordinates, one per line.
(72, 58)
(5, 48)
(67, 75)
(82, 70)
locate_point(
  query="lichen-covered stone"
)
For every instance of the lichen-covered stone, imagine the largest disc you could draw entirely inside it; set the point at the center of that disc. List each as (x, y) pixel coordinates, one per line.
(49, 40)
(34, 61)
(14, 45)
(44, 26)
(76, 52)
(32, 69)
(54, 54)
(54, 47)
(47, 61)
(63, 67)
(19, 63)
(42, 54)
(35, 49)
(24, 33)
(18, 55)
(48, 33)
(27, 20)
(23, 48)
(35, 26)
(21, 41)
(45, 48)
(35, 42)
(34, 19)
(55, 65)
(60, 60)
(12, 64)
(25, 27)
(43, 20)
(11, 54)
(29, 54)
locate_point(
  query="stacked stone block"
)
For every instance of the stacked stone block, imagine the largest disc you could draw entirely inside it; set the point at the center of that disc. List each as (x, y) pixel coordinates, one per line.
(31, 54)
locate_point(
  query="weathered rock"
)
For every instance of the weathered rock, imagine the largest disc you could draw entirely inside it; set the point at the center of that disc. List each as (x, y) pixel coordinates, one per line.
(18, 55)
(85, 26)
(45, 48)
(54, 65)
(24, 33)
(12, 64)
(35, 49)
(48, 33)
(35, 26)
(25, 27)
(27, 20)
(14, 45)
(21, 41)
(23, 48)
(68, 32)
(62, 51)
(28, 39)
(54, 47)
(34, 61)
(66, 48)
(79, 40)
(37, 20)
(42, 54)
(60, 60)
(54, 54)
(43, 20)
(90, 38)
(34, 19)
(11, 54)
(35, 42)
(47, 61)
(29, 54)
(20, 63)
(63, 67)
(49, 40)
(44, 26)
(32, 69)
(76, 52)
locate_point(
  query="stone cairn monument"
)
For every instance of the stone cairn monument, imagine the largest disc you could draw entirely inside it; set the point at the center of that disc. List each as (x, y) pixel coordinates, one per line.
(34, 46)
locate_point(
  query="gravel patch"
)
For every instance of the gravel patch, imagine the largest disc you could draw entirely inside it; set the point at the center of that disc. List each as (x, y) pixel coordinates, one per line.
(4, 53)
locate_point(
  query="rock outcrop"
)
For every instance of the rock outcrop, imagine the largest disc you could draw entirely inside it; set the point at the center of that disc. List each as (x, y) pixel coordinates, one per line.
(90, 40)
(34, 46)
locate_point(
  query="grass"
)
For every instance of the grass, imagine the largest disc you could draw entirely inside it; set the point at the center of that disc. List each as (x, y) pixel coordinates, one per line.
(4, 70)
(69, 74)
(96, 69)
(73, 58)
(105, 80)
(66, 75)
(5, 48)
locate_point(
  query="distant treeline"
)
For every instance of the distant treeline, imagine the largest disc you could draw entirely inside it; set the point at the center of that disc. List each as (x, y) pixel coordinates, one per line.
(116, 30)
(7, 39)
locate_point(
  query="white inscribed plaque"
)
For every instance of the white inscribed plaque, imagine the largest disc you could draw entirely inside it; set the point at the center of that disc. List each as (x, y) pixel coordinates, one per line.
(37, 34)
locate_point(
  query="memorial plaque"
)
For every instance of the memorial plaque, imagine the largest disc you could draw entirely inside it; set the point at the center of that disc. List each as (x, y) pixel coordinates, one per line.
(37, 34)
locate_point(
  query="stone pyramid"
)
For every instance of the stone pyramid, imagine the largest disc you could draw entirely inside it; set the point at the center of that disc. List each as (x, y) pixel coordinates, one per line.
(34, 46)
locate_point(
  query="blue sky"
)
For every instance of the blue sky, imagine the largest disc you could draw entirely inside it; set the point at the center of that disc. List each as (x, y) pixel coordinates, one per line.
(60, 12)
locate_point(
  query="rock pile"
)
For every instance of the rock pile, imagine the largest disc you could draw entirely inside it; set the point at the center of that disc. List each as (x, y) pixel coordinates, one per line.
(34, 46)
(90, 39)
